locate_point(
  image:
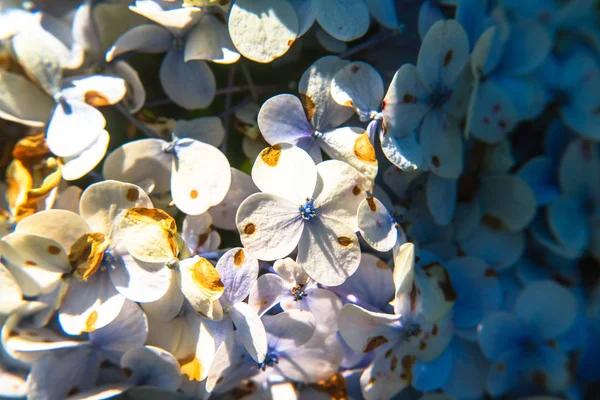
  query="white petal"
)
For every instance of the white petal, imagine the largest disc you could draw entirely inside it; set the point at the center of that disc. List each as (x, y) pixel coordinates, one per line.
(285, 170)
(339, 191)
(347, 20)
(175, 20)
(199, 234)
(364, 330)
(210, 40)
(352, 145)
(376, 225)
(358, 85)
(103, 204)
(89, 305)
(138, 161)
(241, 187)
(194, 191)
(270, 226)
(291, 271)
(238, 271)
(268, 291)
(35, 253)
(23, 102)
(11, 296)
(262, 30)
(63, 226)
(208, 130)
(78, 165)
(136, 94)
(150, 365)
(289, 329)
(96, 90)
(251, 330)
(404, 267)
(139, 281)
(146, 38)
(169, 305)
(328, 251)
(202, 287)
(73, 128)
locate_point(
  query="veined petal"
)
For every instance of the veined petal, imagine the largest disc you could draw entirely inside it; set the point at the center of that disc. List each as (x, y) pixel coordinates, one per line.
(148, 38)
(210, 40)
(315, 91)
(365, 331)
(405, 103)
(89, 305)
(328, 250)
(269, 290)
(282, 118)
(241, 187)
(152, 366)
(376, 225)
(238, 271)
(139, 161)
(262, 30)
(190, 84)
(177, 20)
(232, 363)
(61, 225)
(498, 333)
(11, 296)
(345, 21)
(168, 306)
(442, 145)
(250, 330)
(441, 198)
(371, 284)
(78, 165)
(287, 171)
(193, 190)
(353, 146)
(23, 102)
(74, 127)
(208, 130)
(96, 90)
(289, 329)
(358, 85)
(139, 281)
(443, 54)
(404, 152)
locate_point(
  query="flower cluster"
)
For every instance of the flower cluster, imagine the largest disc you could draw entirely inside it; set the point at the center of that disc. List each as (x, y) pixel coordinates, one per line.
(418, 222)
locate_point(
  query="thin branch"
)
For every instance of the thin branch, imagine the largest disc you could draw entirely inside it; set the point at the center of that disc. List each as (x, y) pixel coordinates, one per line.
(228, 99)
(374, 41)
(137, 123)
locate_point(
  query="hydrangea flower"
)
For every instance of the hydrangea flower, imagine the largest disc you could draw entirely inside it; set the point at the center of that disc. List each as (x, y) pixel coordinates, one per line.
(312, 207)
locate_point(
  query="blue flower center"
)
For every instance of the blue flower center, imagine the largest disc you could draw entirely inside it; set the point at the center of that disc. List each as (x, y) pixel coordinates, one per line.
(411, 331)
(270, 360)
(439, 97)
(308, 210)
(298, 292)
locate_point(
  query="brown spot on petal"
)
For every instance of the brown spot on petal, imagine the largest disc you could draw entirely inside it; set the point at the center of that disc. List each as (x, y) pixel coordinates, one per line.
(73, 391)
(394, 363)
(344, 241)
(194, 194)
(356, 190)
(271, 155)
(490, 272)
(249, 229)
(128, 372)
(90, 322)
(374, 343)
(239, 257)
(30, 263)
(363, 149)
(408, 98)
(371, 382)
(207, 279)
(539, 378)
(372, 204)
(443, 279)
(422, 345)
(413, 297)
(219, 380)
(435, 161)
(381, 265)
(434, 330)
(202, 238)
(290, 42)
(132, 194)
(501, 367)
(448, 58)
(407, 364)
(388, 353)
(492, 221)
(336, 387)
(96, 99)
(86, 254)
(53, 250)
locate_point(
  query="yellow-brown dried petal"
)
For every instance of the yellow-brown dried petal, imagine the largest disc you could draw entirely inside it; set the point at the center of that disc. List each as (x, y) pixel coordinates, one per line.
(207, 279)
(87, 253)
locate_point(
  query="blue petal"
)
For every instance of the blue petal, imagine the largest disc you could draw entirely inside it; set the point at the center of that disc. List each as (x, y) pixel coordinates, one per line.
(527, 46)
(430, 376)
(405, 153)
(569, 222)
(540, 175)
(547, 369)
(499, 333)
(384, 11)
(546, 309)
(540, 232)
(441, 198)
(191, 84)
(468, 372)
(306, 18)
(498, 247)
(557, 140)
(442, 145)
(504, 373)
(429, 14)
